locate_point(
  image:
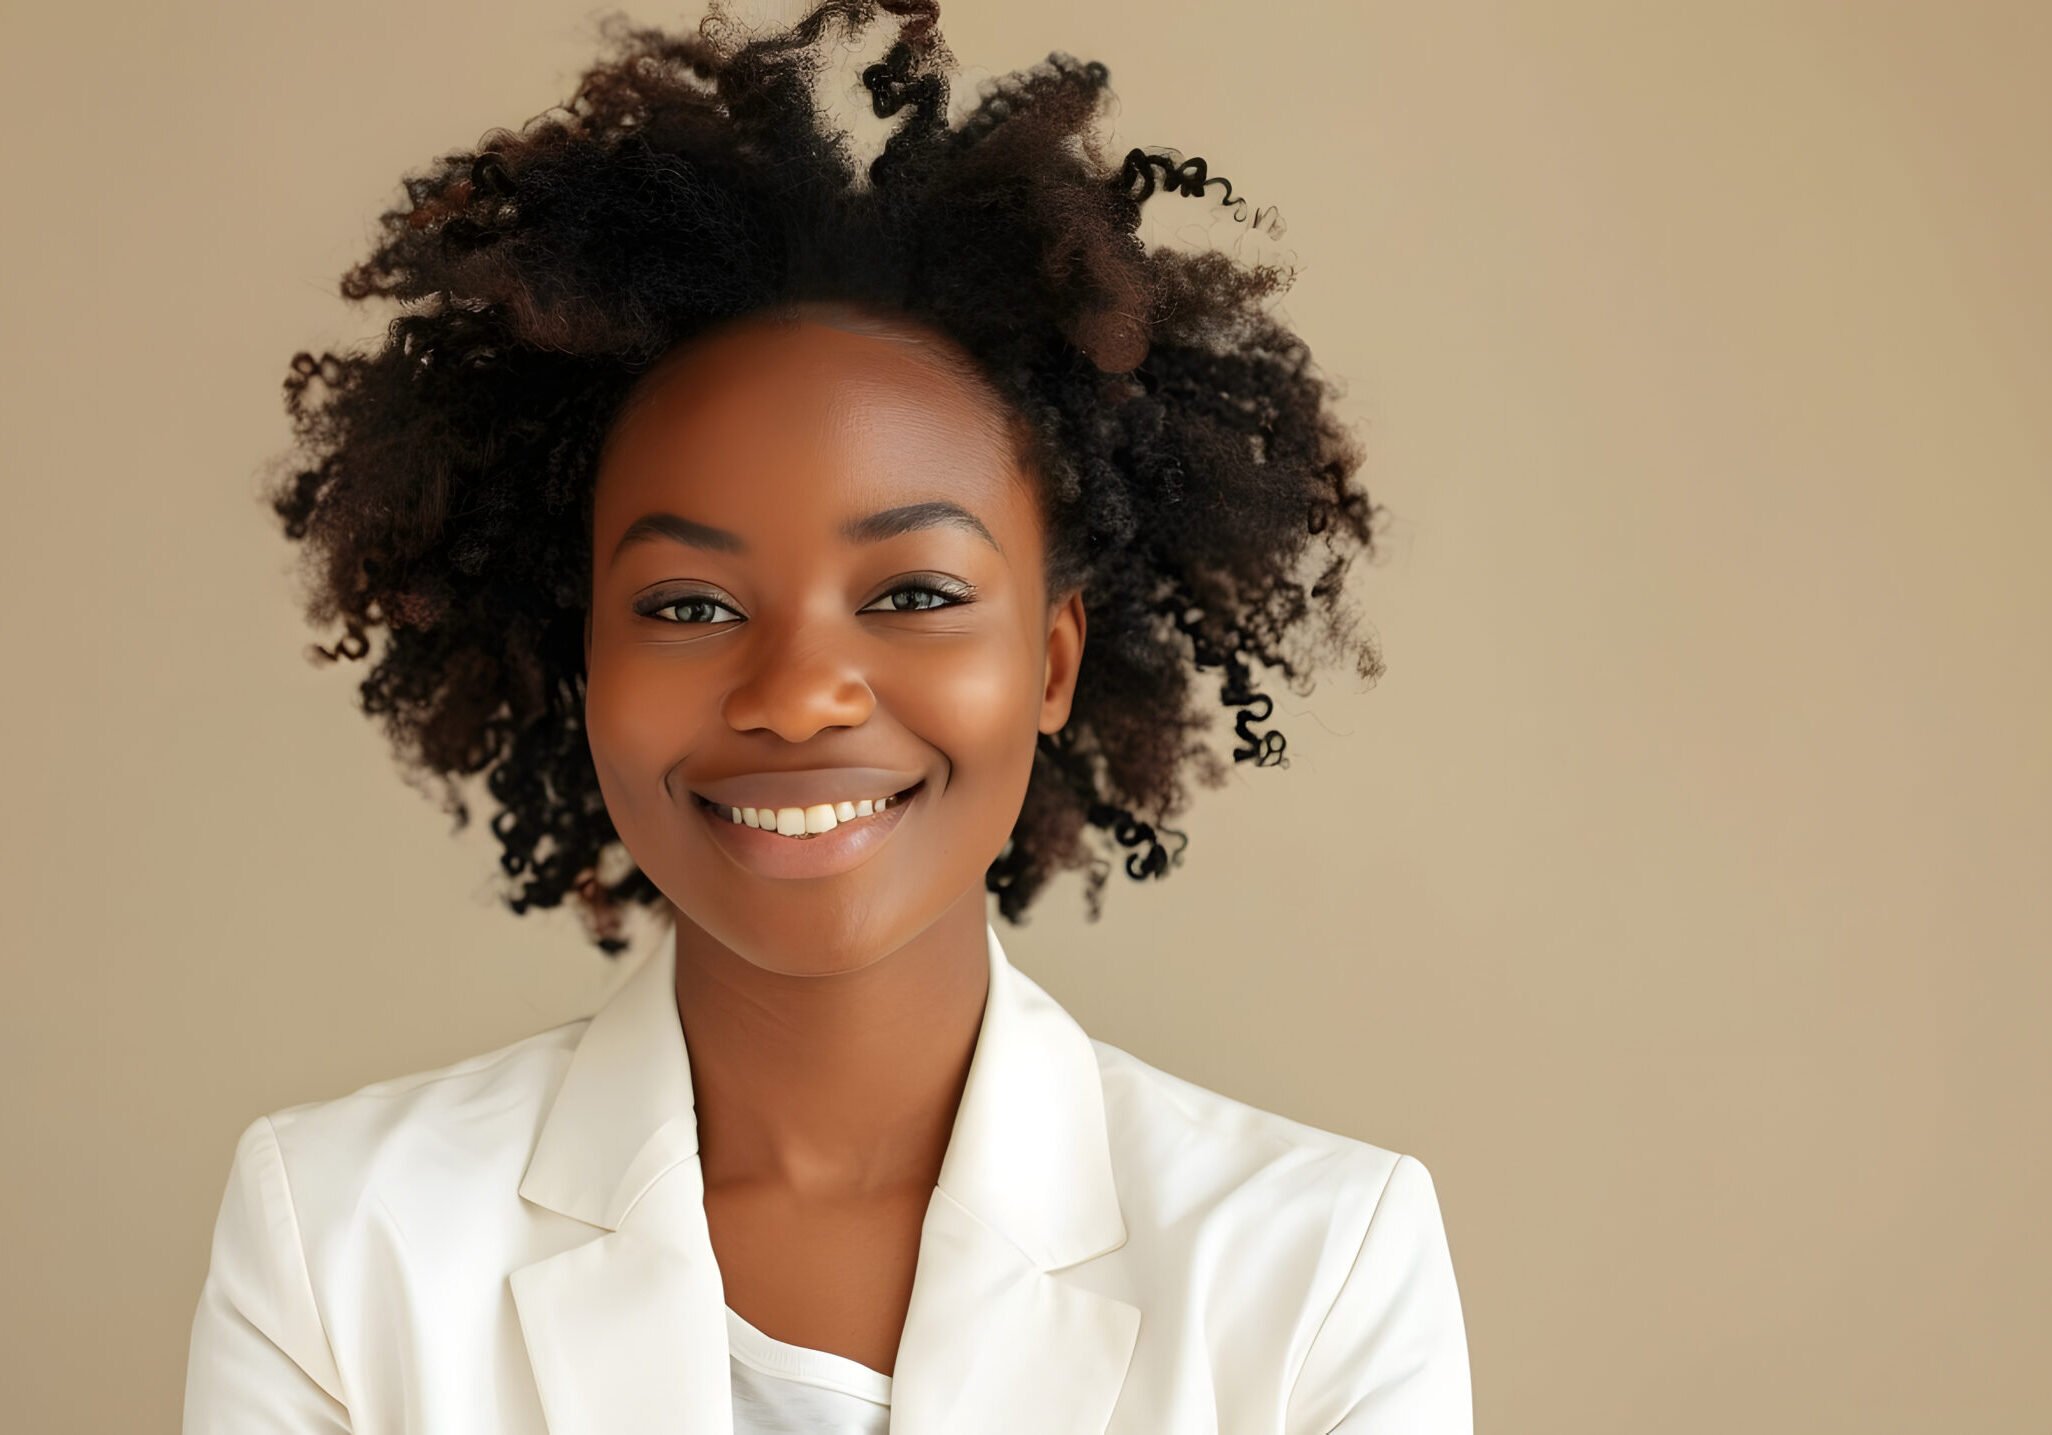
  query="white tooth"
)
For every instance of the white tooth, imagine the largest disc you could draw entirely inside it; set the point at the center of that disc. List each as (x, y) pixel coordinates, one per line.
(736, 814)
(843, 811)
(748, 816)
(864, 808)
(882, 803)
(790, 822)
(821, 818)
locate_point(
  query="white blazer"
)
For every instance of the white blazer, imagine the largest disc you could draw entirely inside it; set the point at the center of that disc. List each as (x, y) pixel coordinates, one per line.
(517, 1244)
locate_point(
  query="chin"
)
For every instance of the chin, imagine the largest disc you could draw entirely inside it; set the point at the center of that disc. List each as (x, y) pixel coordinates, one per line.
(807, 938)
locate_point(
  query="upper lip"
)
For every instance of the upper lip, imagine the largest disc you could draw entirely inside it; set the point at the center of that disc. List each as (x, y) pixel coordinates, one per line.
(805, 787)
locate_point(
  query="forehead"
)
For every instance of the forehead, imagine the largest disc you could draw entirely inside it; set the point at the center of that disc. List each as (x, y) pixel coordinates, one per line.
(812, 410)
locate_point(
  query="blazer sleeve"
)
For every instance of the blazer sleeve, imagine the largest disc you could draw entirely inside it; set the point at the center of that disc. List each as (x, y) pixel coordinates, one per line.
(1391, 1357)
(260, 1363)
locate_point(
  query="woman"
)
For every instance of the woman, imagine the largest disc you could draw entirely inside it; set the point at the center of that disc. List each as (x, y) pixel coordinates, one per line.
(808, 553)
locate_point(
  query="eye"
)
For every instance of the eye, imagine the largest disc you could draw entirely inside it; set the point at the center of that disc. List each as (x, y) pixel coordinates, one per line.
(704, 609)
(690, 608)
(922, 597)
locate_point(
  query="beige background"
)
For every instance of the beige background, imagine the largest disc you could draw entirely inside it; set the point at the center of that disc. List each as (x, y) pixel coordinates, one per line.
(1679, 898)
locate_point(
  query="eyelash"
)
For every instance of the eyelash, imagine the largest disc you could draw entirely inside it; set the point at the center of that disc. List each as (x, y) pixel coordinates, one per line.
(953, 594)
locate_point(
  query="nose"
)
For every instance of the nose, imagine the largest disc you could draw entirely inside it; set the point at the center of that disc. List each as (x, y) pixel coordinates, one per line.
(798, 682)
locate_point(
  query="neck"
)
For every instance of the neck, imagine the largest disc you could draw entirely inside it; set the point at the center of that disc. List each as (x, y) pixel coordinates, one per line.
(842, 1084)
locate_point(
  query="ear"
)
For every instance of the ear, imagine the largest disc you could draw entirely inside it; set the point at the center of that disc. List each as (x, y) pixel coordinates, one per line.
(1065, 630)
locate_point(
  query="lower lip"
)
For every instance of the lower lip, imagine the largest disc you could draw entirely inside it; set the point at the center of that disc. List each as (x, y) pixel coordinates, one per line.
(822, 855)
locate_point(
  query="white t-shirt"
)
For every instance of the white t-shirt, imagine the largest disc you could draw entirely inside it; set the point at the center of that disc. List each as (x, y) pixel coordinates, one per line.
(784, 1389)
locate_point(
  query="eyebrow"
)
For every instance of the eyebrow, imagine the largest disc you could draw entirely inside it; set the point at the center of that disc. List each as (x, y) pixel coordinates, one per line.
(870, 528)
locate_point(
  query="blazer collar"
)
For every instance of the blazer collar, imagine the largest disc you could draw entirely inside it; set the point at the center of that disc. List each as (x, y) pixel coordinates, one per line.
(1025, 1188)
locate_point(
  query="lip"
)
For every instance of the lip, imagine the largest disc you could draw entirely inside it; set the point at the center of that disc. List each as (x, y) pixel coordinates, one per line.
(805, 787)
(825, 854)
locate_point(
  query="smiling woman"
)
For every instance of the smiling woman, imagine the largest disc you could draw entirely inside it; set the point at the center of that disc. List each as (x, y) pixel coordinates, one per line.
(842, 573)
(813, 552)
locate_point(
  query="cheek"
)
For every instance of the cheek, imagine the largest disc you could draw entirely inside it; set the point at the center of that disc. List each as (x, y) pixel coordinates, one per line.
(980, 708)
(640, 718)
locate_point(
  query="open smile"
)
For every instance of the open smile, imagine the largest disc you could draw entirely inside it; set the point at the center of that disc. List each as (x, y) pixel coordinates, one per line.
(812, 841)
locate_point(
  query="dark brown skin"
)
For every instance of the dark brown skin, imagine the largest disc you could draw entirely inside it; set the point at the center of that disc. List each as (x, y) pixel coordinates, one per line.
(830, 1019)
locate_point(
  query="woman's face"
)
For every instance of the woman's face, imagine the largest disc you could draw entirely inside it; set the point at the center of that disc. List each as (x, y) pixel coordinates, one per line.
(817, 584)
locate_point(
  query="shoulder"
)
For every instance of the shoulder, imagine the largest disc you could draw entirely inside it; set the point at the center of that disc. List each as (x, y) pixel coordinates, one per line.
(455, 1131)
(1187, 1137)
(1326, 1253)
(320, 1193)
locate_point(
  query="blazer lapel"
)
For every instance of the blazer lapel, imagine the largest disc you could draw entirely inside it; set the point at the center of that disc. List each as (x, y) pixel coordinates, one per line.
(995, 1345)
(627, 1333)
(627, 1330)
(995, 1340)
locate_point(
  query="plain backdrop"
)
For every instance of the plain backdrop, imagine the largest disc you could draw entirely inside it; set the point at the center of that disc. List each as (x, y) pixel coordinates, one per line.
(1681, 896)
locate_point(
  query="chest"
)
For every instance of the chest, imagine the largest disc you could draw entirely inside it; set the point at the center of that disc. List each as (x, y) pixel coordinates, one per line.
(830, 1275)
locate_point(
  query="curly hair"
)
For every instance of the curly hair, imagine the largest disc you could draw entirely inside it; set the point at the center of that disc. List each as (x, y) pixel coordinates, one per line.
(1194, 482)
